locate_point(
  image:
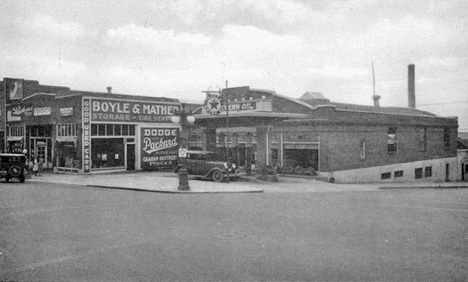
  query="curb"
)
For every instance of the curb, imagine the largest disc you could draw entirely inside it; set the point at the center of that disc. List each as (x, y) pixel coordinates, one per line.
(173, 191)
(425, 187)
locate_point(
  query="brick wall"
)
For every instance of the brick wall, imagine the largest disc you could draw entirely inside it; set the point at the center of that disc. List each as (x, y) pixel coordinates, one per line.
(340, 144)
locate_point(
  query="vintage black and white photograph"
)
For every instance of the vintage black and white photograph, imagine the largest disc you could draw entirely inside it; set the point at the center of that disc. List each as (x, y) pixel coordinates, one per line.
(233, 140)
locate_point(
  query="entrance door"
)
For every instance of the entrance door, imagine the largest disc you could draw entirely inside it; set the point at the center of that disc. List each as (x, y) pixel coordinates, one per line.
(41, 151)
(447, 172)
(463, 172)
(130, 156)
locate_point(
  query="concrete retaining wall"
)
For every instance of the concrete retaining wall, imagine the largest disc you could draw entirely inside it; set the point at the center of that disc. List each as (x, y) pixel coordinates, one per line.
(374, 174)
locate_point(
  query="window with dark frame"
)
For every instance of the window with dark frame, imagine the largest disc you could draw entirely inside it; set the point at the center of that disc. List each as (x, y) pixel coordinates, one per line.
(428, 171)
(112, 130)
(67, 129)
(447, 138)
(386, 175)
(362, 149)
(422, 139)
(101, 130)
(392, 140)
(94, 129)
(398, 173)
(418, 173)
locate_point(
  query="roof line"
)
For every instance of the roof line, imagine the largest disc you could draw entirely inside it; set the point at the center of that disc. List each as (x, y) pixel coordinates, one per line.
(390, 113)
(39, 93)
(297, 101)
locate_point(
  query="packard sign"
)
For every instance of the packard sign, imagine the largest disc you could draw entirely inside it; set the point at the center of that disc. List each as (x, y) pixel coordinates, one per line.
(159, 147)
(123, 111)
(21, 110)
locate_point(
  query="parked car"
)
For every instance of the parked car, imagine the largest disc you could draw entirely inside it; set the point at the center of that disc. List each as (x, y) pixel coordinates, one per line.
(206, 165)
(12, 166)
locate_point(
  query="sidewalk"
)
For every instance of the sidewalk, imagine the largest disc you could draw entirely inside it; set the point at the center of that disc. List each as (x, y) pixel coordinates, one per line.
(167, 182)
(162, 182)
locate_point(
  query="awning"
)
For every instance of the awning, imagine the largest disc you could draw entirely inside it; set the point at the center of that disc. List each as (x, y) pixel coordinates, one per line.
(14, 138)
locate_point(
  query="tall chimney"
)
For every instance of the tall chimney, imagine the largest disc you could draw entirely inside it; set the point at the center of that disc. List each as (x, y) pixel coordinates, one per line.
(411, 87)
(109, 89)
(376, 101)
(374, 97)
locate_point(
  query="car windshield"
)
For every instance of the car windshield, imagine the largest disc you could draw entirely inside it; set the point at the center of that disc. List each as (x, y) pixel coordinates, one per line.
(12, 159)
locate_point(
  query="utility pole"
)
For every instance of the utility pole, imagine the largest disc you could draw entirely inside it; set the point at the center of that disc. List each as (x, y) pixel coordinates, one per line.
(227, 131)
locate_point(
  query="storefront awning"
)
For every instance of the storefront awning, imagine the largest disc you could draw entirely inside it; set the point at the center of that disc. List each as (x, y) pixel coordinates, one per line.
(14, 138)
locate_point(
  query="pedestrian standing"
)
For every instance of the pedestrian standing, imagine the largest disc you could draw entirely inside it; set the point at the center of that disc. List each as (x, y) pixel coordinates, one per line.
(28, 165)
(35, 166)
(40, 166)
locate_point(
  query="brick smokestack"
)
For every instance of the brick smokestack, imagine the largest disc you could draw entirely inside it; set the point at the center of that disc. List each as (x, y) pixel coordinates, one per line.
(411, 87)
(109, 89)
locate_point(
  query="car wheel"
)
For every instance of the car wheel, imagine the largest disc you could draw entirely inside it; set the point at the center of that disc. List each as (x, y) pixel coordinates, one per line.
(217, 176)
(14, 171)
(7, 179)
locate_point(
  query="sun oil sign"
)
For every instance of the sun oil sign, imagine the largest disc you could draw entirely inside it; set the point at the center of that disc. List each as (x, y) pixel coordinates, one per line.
(159, 147)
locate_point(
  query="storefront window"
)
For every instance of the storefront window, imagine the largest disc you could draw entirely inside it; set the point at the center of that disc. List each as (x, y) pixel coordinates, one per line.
(15, 139)
(66, 155)
(107, 153)
(101, 129)
(301, 155)
(66, 129)
(112, 130)
(41, 131)
(117, 131)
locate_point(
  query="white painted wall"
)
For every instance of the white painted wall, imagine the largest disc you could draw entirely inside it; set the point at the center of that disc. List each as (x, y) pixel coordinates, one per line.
(374, 174)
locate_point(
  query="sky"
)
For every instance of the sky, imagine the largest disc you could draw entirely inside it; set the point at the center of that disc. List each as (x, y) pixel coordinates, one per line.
(179, 48)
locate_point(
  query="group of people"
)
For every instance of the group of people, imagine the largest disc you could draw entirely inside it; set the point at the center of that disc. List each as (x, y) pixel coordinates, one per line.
(34, 165)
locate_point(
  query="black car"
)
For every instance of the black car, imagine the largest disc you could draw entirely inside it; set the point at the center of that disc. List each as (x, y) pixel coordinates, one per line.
(12, 166)
(206, 165)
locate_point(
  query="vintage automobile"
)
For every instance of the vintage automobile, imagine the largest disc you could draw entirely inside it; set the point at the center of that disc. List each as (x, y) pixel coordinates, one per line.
(12, 166)
(206, 165)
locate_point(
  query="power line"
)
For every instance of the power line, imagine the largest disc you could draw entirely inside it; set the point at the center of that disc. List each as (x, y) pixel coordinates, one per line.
(446, 103)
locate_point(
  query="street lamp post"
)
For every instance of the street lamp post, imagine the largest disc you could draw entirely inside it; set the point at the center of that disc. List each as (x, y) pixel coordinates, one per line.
(183, 118)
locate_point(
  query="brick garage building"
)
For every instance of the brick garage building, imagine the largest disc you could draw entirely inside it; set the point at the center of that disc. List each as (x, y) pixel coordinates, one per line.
(83, 132)
(346, 142)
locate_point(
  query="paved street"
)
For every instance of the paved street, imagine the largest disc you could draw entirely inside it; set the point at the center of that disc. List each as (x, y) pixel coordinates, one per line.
(67, 232)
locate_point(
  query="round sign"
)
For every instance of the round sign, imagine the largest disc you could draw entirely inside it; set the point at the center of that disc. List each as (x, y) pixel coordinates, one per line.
(212, 105)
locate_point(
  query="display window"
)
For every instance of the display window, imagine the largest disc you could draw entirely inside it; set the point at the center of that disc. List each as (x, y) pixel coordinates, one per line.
(66, 142)
(15, 139)
(67, 155)
(302, 157)
(107, 153)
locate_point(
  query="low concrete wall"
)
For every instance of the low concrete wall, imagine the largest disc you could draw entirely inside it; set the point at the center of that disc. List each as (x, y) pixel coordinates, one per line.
(374, 174)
